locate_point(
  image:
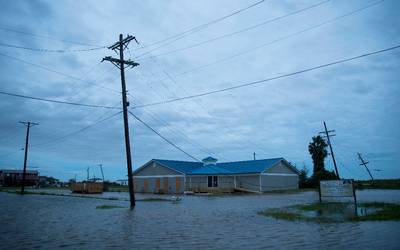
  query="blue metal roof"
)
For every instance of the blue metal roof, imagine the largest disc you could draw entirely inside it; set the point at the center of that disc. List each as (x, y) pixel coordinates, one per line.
(238, 167)
(180, 166)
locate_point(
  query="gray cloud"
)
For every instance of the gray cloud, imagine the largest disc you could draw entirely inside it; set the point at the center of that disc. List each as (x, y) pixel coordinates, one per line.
(358, 99)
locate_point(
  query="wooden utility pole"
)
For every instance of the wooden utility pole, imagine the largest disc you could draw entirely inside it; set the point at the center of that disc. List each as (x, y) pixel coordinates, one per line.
(364, 163)
(120, 63)
(28, 125)
(328, 135)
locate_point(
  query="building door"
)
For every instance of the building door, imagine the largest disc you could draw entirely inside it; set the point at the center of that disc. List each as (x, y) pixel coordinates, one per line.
(165, 185)
(209, 181)
(145, 185)
(158, 185)
(178, 184)
(212, 181)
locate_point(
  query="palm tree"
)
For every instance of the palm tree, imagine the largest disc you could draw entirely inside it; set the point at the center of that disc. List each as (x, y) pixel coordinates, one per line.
(317, 149)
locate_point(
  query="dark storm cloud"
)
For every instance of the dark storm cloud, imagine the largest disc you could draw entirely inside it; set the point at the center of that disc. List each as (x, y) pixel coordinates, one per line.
(357, 99)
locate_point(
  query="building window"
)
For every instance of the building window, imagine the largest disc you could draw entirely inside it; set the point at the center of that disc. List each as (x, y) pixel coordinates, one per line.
(212, 181)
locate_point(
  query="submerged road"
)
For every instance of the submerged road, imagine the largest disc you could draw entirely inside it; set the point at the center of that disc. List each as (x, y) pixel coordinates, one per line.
(197, 222)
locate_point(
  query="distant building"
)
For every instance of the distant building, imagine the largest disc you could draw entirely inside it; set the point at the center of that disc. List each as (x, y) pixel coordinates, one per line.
(46, 181)
(122, 182)
(168, 176)
(14, 177)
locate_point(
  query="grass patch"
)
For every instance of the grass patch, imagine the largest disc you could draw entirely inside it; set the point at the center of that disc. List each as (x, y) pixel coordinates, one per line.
(118, 189)
(281, 214)
(336, 212)
(63, 195)
(290, 191)
(153, 199)
(379, 184)
(108, 207)
(14, 191)
(330, 206)
(386, 211)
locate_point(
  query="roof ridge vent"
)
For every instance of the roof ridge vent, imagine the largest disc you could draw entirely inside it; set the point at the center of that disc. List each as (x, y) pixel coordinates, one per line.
(209, 161)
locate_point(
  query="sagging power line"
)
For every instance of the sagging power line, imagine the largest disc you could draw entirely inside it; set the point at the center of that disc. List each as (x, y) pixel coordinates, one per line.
(236, 32)
(77, 131)
(219, 90)
(163, 137)
(270, 79)
(58, 72)
(46, 37)
(195, 29)
(50, 50)
(56, 101)
(230, 57)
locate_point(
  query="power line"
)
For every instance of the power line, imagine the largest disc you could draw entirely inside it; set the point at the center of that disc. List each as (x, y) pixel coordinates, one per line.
(84, 118)
(8, 136)
(224, 59)
(165, 139)
(57, 101)
(45, 37)
(209, 92)
(238, 31)
(269, 79)
(2, 157)
(165, 124)
(195, 29)
(50, 50)
(178, 132)
(57, 72)
(78, 90)
(185, 137)
(199, 103)
(77, 131)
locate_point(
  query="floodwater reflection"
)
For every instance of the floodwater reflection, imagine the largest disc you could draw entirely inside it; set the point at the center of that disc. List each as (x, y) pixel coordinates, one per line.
(196, 222)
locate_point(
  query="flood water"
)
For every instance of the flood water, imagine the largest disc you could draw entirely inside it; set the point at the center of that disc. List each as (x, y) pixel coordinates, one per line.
(197, 222)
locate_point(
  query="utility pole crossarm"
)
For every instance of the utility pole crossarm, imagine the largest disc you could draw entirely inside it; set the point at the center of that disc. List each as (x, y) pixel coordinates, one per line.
(124, 41)
(31, 124)
(118, 62)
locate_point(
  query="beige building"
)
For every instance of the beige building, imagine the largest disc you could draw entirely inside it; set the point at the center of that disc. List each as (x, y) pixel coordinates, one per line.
(168, 176)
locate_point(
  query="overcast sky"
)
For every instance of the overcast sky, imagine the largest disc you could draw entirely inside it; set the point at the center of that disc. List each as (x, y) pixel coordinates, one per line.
(358, 99)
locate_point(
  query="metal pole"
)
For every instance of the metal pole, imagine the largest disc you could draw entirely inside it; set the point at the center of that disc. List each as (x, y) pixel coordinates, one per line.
(25, 159)
(126, 125)
(330, 147)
